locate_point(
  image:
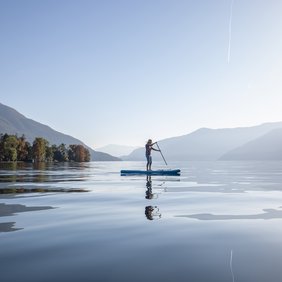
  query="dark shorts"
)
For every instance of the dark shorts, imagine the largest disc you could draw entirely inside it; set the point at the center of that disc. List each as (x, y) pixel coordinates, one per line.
(149, 159)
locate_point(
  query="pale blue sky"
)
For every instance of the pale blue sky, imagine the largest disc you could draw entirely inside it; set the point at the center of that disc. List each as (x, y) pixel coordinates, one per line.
(124, 71)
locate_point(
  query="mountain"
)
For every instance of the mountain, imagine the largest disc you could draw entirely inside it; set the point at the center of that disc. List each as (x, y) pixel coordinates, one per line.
(266, 147)
(117, 150)
(205, 143)
(12, 122)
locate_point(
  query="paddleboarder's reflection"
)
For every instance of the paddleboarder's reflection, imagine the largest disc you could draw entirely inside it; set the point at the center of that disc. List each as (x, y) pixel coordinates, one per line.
(149, 192)
(151, 212)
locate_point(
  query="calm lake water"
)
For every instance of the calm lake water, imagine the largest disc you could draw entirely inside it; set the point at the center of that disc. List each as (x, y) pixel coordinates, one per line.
(218, 221)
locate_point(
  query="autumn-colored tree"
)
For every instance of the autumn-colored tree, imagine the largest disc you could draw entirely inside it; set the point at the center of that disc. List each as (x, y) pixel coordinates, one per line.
(78, 153)
(39, 149)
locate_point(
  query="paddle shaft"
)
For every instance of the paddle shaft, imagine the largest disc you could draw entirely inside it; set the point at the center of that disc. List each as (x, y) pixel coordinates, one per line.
(161, 153)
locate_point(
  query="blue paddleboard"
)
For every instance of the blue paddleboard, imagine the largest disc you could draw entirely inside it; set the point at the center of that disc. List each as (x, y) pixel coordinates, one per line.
(151, 172)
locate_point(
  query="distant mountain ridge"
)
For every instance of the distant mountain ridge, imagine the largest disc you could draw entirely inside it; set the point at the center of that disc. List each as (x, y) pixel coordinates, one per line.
(206, 144)
(261, 142)
(266, 147)
(13, 122)
(117, 150)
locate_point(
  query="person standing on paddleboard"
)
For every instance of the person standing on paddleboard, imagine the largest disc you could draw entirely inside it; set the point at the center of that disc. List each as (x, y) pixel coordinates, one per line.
(149, 148)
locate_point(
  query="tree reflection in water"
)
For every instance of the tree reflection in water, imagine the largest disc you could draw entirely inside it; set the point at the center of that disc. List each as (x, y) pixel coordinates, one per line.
(14, 209)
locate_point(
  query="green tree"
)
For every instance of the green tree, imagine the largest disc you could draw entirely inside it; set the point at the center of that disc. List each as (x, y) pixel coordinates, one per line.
(13, 148)
(61, 153)
(10, 148)
(49, 154)
(29, 156)
(22, 149)
(87, 155)
(71, 152)
(1, 147)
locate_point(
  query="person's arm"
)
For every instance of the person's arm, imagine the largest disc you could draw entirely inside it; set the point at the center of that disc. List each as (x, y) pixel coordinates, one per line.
(154, 148)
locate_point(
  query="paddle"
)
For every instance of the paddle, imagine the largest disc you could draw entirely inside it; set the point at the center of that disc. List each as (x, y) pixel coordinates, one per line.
(161, 153)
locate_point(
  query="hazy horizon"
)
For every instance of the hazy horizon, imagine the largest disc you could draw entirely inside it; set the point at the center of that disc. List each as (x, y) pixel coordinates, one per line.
(120, 72)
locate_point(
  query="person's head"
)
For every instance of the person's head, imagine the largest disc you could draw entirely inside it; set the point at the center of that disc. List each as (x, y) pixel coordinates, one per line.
(149, 141)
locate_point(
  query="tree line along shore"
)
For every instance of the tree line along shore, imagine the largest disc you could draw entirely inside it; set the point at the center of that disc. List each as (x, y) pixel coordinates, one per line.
(14, 148)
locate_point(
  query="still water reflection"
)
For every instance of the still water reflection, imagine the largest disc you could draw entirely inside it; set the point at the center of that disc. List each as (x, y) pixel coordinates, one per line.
(151, 212)
(218, 221)
(266, 214)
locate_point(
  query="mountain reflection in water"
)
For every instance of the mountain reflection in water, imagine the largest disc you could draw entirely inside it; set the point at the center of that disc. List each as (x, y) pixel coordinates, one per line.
(268, 214)
(12, 209)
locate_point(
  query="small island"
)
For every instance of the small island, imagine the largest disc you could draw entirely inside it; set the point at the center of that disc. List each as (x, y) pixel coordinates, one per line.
(18, 149)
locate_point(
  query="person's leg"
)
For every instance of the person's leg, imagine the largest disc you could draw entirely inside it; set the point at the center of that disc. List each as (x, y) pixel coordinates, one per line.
(150, 163)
